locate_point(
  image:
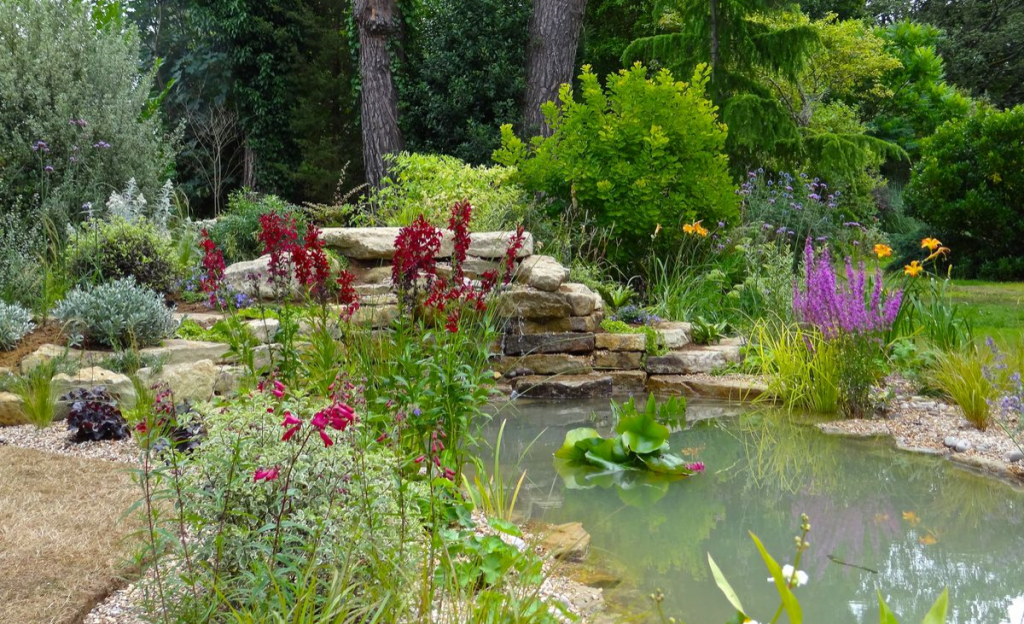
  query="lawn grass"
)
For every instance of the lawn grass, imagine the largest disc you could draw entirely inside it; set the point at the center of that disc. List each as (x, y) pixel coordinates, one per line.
(995, 308)
(63, 540)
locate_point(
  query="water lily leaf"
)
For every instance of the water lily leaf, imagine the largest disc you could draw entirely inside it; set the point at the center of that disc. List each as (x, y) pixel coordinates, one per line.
(937, 614)
(642, 494)
(611, 455)
(578, 442)
(666, 463)
(789, 601)
(575, 474)
(641, 433)
(723, 584)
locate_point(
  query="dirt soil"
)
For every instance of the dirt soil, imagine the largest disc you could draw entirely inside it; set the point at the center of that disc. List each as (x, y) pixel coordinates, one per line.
(63, 541)
(50, 333)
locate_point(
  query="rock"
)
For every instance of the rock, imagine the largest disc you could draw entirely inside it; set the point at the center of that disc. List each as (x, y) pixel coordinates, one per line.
(554, 364)
(601, 579)
(48, 352)
(564, 387)
(618, 360)
(543, 273)
(227, 381)
(628, 382)
(371, 290)
(589, 323)
(669, 385)
(583, 300)
(263, 329)
(493, 245)
(118, 385)
(673, 334)
(473, 268)
(723, 388)
(950, 441)
(374, 243)
(567, 541)
(702, 359)
(175, 351)
(1015, 456)
(515, 344)
(375, 316)
(10, 410)
(532, 305)
(622, 342)
(192, 382)
(204, 319)
(252, 277)
(962, 446)
(378, 274)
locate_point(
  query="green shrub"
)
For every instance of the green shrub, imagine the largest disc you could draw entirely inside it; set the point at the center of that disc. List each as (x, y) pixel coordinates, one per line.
(637, 154)
(15, 323)
(969, 185)
(117, 314)
(430, 185)
(803, 369)
(963, 377)
(236, 231)
(111, 250)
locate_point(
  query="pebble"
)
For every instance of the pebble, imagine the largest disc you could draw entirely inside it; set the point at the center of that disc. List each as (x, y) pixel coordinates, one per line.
(962, 446)
(950, 441)
(1015, 456)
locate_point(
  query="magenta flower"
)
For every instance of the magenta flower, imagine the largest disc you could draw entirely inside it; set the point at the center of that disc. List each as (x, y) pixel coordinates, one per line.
(268, 475)
(697, 467)
(279, 390)
(290, 421)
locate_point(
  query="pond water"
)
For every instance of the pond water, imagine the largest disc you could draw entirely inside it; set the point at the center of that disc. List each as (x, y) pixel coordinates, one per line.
(912, 524)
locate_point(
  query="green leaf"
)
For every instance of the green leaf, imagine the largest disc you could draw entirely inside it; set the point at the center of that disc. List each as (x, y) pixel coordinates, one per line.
(504, 526)
(885, 616)
(641, 433)
(789, 601)
(572, 449)
(726, 588)
(937, 614)
(666, 463)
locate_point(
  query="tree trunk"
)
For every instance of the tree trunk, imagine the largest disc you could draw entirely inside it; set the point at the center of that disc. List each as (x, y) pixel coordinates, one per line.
(550, 56)
(378, 24)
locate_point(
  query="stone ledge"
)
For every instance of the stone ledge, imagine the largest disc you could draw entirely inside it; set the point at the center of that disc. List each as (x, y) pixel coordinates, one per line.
(564, 387)
(516, 344)
(725, 388)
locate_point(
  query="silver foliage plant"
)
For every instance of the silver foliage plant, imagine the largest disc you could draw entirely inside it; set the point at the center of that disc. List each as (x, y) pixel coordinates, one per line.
(131, 205)
(15, 324)
(119, 314)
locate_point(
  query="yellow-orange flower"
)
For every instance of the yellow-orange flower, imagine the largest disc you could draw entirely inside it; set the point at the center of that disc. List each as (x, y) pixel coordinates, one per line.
(913, 269)
(883, 251)
(688, 229)
(931, 244)
(695, 228)
(941, 251)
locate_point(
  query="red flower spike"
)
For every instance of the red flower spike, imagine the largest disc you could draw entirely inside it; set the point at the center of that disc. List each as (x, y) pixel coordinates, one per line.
(266, 475)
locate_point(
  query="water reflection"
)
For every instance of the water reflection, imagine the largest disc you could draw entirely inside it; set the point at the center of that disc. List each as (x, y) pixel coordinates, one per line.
(903, 524)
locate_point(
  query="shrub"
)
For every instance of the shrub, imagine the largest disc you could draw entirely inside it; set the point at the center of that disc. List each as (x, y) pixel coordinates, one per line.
(116, 249)
(430, 184)
(94, 415)
(117, 314)
(638, 154)
(236, 232)
(969, 185)
(964, 378)
(59, 66)
(804, 370)
(15, 323)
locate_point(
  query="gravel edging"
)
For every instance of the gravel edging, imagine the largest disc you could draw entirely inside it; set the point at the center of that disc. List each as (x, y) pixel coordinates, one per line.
(57, 439)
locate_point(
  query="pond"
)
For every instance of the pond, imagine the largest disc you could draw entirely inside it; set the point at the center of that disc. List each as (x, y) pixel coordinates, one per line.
(904, 524)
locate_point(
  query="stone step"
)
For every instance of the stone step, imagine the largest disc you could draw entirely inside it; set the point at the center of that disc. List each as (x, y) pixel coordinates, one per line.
(564, 386)
(725, 388)
(694, 359)
(568, 342)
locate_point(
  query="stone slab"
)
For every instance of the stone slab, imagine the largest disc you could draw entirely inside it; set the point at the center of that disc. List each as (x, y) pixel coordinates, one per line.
(493, 245)
(554, 364)
(374, 243)
(694, 359)
(532, 305)
(628, 382)
(591, 323)
(564, 387)
(10, 410)
(584, 301)
(674, 335)
(515, 344)
(724, 388)
(618, 360)
(176, 351)
(621, 342)
(543, 273)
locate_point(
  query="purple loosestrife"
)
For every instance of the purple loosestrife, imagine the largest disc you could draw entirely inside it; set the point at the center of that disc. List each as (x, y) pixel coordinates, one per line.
(838, 308)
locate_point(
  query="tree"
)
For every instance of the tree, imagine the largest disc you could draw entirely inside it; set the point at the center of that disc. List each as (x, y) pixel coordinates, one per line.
(609, 26)
(739, 39)
(379, 24)
(554, 33)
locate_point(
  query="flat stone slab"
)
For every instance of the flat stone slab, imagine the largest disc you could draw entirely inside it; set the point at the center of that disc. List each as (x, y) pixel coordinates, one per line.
(622, 342)
(542, 272)
(91, 377)
(515, 344)
(584, 301)
(204, 319)
(724, 388)
(628, 382)
(674, 335)
(175, 351)
(493, 245)
(10, 410)
(374, 243)
(564, 387)
(618, 360)
(191, 382)
(694, 359)
(554, 364)
(532, 305)
(591, 323)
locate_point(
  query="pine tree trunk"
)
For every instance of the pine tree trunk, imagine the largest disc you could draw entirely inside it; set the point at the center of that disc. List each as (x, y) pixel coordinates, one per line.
(550, 56)
(378, 24)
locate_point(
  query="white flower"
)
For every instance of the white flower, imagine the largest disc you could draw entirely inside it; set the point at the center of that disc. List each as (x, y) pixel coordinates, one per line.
(787, 574)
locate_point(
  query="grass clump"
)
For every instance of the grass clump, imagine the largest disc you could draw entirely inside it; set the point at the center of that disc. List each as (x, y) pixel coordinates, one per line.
(37, 394)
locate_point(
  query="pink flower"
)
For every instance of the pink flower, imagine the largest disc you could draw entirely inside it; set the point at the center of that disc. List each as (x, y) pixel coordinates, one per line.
(290, 421)
(697, 467)
(328, 442)
(270, 474)
(419, 460)
(278, 390)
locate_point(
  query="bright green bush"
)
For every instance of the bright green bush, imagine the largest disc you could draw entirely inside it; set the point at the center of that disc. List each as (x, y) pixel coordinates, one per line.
(110, 250)
(430, 185)
(117, 314)
(236, 231)
(15, 322)
(969, 185)
(639, 153)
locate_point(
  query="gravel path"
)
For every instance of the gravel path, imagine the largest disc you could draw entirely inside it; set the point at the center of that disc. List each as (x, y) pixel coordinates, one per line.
(56, 439)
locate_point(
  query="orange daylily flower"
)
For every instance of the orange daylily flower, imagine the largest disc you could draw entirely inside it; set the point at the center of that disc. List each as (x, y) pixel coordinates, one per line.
(931, 244)
(911, 518)
(941, 251)
(695, 228)
(883, 251)
(913, 269)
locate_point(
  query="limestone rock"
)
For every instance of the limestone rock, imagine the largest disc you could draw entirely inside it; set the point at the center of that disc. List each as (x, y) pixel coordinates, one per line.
(532, 305)
(263, 329)
(568, 541)
(584, 301)
(554, 364)
(703, 359)
(372, 290)
(589, 323)
(543, 273)
(252, 277)
(628, 382)
(175, 351)
(374, 243)
(375, 316)
(375, 274)
(48, 352)
(622, 342)
(204, 319)
(618, 360)
(549, 343)
(191, 382)
(473, 268)
(227, 381)
(116, 384)
(725, 388)
(10, 410)
(673, 334)
(564, 387)
(493, 245)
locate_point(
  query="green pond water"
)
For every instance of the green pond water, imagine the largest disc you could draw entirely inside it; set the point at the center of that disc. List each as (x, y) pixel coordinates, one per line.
(919, 523)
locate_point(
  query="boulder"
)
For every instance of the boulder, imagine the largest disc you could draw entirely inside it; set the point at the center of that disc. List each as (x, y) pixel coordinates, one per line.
(553, 364)
(191, 382)
(674, 335)
(695, 359)
(91, 377)
(564, 387)
(204, 319)
(524, 344)
(252, 277)
(374, 243)
(175, 351)
(723, 388)
(543, 273)
(493, 245)
(372, 290)
(263, 329)
(531, 305)
(567, 541)
(622, 342)
(583, 300)
(375, 316)
(48, 352)
(374, 274)
(618, 360)
(10, 410)
(473, 268)
(628, 382)
(589, 323)
(227, 381)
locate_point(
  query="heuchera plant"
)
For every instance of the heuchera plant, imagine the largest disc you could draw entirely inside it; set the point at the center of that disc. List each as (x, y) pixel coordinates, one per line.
(95, 416)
